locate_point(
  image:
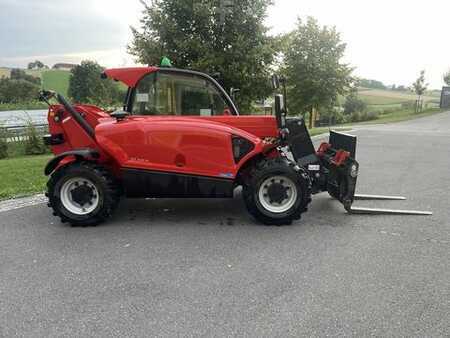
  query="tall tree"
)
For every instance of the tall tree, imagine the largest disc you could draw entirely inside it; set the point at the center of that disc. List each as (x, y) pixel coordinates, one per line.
(87, 86)
(420, 87)
(314, 68)
(214, 36)
(447, 78)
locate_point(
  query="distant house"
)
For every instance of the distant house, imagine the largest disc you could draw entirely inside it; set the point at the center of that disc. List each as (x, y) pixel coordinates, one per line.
(64, 66)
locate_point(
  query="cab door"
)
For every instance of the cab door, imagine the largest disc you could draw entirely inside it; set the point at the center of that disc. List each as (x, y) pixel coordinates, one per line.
(170, 125)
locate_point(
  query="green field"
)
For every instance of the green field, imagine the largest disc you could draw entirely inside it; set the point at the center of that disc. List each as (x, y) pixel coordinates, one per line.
(377, 97)
(57, 80)
(22, 176)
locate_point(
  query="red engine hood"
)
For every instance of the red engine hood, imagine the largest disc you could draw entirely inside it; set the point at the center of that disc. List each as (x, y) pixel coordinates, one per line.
(260, 126)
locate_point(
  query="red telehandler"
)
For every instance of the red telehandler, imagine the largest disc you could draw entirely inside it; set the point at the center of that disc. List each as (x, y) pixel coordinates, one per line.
(180, 135)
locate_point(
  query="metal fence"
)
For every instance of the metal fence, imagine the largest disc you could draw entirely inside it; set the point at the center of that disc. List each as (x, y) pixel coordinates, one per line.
(19, 132)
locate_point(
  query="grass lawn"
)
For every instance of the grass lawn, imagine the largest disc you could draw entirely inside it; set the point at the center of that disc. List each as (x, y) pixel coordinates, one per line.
(404, 115)
(22, 176)
(400, 115)
(57, 80)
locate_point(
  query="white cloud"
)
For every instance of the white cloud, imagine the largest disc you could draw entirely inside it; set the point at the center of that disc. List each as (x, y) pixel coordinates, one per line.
(387, 40)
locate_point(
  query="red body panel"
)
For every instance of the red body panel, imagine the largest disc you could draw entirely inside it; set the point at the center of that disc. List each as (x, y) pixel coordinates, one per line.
(260, 126)
(189, 145)
(176, 144)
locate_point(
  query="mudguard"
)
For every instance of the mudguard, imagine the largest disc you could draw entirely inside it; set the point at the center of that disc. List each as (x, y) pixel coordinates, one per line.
(78, 153)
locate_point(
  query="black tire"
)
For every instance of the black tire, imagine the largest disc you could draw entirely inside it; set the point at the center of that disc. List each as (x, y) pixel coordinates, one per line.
(264, 170)
(108, 192)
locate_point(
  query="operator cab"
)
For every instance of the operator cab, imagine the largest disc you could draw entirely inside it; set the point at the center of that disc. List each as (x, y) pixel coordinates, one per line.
(178, 93)
(164, 91)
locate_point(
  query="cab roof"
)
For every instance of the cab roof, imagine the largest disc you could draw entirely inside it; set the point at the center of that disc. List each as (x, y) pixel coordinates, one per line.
(129, 76)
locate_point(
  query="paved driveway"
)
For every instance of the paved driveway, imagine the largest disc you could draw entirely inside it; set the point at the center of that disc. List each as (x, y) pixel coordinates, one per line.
(204, 268)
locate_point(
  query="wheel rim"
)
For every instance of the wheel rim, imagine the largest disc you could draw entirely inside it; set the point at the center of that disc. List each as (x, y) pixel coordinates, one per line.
(277, 194)
(79, 196)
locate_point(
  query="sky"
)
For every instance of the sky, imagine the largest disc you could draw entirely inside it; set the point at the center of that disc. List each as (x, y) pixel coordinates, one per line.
(390, 41)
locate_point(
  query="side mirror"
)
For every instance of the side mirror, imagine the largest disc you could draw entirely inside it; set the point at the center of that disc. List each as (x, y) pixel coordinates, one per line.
(280, 111)
(275, 82)
(233, 92)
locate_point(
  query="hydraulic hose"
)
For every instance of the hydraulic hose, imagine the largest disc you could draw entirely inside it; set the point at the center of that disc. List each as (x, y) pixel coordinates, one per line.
(77, 116)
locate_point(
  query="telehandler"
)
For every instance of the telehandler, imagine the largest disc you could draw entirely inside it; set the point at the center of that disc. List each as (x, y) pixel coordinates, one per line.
(180, 135)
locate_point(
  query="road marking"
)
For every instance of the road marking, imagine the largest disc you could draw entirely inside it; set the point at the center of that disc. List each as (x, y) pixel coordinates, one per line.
(22, 202)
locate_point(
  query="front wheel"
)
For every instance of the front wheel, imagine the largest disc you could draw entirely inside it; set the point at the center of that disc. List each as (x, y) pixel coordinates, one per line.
(277, 191)
(83, 193)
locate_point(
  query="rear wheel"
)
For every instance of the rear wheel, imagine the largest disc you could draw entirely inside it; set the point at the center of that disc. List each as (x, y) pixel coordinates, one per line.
(83, 193)
(277, 191)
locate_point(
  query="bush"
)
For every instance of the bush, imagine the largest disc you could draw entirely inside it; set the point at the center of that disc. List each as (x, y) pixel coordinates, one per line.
(408, 105)
(19, 74)
(389, 111)
(34, 145)
(371, 115)
(364, 116)
(3, 143)
(354, 104)
(17, 91)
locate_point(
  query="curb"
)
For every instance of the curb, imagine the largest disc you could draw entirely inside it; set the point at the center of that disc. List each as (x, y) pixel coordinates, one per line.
(18, 203)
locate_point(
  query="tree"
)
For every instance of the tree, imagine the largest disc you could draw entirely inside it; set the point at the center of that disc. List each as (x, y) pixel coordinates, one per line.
(447, 78)
(420, 87)
(314, 67)
(17, 91)
(366, 83)
(36, 65)
(87, 86)
(225, 36)
(354, 104)
(19, 74)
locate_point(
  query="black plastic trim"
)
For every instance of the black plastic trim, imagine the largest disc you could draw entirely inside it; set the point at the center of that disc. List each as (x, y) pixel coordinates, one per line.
(78, 153)
(342, 141)
(244, 147)
(299, 141)
(53, 139)
(140, 183)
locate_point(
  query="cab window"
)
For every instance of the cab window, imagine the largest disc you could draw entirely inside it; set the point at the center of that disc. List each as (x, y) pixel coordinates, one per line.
(178, 94)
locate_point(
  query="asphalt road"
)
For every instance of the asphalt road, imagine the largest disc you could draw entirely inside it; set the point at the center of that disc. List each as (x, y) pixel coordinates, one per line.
(204, 268)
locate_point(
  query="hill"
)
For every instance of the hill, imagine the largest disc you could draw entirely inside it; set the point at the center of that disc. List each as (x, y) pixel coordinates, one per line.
(379, 98)
(4, 72)
(57, 80)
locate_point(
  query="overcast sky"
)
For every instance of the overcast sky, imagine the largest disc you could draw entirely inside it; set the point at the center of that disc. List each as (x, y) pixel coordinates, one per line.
(387, 40)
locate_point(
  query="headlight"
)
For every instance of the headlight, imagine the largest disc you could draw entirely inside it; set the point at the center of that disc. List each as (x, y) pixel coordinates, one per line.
(241, 147)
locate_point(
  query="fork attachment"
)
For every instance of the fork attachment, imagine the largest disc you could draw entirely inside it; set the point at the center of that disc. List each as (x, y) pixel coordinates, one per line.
(341, 172)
